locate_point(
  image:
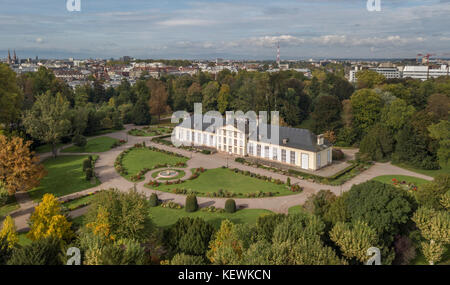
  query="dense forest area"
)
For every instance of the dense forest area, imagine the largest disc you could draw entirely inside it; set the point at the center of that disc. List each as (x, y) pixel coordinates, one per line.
(406, 121)
(401, 120)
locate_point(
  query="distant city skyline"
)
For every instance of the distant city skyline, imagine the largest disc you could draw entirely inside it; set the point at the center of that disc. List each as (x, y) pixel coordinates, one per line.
(227, 29)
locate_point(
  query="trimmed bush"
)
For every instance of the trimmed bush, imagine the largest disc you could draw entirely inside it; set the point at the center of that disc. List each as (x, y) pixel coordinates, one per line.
(230, 206)
(153, 200)
(89, 174)
(87, 163)
(288, 181)
(79, 140)
(337, 154)
(191, 203)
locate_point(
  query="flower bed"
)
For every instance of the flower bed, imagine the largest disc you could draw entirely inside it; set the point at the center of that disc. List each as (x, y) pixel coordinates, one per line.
(339, 178)
(82, 205)
(171, 205)
(212, 209)
(163, 140)
(408, 186)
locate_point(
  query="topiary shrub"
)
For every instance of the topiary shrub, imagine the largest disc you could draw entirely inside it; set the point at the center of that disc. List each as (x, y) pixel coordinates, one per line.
(337, 154)
(79, 140)
(230, 206)
(153, 201)
(191, 203)
(89, 174)
(288, 181)
(87, 163)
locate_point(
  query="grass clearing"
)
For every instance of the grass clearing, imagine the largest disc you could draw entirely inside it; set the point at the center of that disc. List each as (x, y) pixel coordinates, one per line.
(140, 158)
(23, 240)
(65, 176)
(46, 148)
(100, 144)
(164, 217)
(295, 210)
(432, 173)
(213, 180)
(71, 205)
(10, 206)
(408, 179)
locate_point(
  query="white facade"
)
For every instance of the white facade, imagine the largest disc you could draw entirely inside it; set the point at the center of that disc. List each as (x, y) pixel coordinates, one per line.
(388, 72)
(230, 140)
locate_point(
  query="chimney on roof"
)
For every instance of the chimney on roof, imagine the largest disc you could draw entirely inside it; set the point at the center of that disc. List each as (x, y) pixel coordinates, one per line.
(320, 139)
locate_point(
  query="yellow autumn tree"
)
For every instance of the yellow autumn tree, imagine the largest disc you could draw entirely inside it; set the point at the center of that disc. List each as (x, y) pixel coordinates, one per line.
(354, 239)
(19, 167)
(226, 247)
(435, 227)
(9, 232)
(47, 220)
(101, 226)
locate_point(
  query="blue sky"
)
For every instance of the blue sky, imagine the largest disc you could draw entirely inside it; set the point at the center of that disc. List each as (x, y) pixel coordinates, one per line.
(202, 29)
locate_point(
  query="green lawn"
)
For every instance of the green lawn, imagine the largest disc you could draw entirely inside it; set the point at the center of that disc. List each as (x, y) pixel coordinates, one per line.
(99, 144)
(140, 158)
(77, 202)
(388, 179)
(181, 174)
(46, 148)
(23, 240)
(295, 210)
(65, 176)
(223, 178)
(432, 173)
(107, 131)
(10, 206)
(164, 217)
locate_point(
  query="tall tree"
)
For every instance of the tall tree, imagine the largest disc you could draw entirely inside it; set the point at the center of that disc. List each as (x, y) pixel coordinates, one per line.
(355, 239)
(19, 168)
(48, 119)
(224, 99)
(11, 97)
(369, 79)
(441, 132)
(158, 100)
(327, 113)
(226, 247)
(211, 93)
(9, 232)
(366, 109)
(48, 221)
(434, 227)
(194, 95)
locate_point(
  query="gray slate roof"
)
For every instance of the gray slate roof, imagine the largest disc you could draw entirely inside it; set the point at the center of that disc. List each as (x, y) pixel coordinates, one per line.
(302, 139)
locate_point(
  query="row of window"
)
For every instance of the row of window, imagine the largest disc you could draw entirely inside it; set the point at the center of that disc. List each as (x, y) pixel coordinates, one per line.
(292, 154)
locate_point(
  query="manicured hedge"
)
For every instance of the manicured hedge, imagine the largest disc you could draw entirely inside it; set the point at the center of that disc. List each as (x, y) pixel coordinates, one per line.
(191, 203)
(230, 206)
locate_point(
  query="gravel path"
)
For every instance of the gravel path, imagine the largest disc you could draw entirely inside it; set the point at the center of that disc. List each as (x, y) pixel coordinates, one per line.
(105, 171)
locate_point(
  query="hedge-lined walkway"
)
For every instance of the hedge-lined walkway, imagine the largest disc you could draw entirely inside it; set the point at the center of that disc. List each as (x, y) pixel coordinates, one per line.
(109, 178)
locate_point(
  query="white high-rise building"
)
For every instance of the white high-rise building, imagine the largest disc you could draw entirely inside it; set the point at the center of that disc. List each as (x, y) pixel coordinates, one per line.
(424, 72)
